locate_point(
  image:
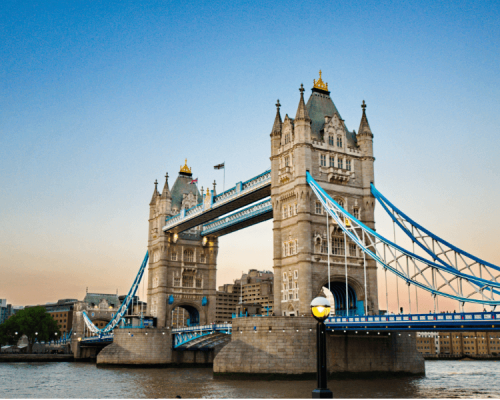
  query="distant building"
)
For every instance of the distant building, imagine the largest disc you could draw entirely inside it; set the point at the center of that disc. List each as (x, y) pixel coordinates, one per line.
(459, 344)
(253, 290)
(103, 301)
(61, 312)
(7, 310)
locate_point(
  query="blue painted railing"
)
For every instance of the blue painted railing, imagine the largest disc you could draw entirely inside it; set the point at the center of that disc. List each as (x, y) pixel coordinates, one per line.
(418, 322)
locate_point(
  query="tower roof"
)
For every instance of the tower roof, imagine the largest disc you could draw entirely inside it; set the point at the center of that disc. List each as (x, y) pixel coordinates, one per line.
(183, 186)
(321, 105)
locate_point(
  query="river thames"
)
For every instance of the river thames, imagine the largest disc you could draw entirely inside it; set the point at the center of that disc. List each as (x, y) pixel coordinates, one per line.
(451, 379)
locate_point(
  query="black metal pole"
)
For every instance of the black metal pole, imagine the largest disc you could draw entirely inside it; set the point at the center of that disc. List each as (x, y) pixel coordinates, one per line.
(322, 392)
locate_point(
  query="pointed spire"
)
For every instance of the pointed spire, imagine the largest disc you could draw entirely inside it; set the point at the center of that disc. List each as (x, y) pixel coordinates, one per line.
(277, 121)
(302, 114)
(166, 190)
(364, 126)
(155, 194)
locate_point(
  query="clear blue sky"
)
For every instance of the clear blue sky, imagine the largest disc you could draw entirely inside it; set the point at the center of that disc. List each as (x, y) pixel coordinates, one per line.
(99, 99)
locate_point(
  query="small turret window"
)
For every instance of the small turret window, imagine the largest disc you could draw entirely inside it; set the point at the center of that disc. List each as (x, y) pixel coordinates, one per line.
(348, 165)
(319, 209)
(340, 163)
(355, 212)
(339, 141)
(323, 160)
(188, 255)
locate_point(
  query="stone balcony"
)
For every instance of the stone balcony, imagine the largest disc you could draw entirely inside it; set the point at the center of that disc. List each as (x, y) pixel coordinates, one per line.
(337, 174)
(285, 174)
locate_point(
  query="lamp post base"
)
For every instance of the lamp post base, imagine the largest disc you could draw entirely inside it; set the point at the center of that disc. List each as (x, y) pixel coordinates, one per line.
(322, 394)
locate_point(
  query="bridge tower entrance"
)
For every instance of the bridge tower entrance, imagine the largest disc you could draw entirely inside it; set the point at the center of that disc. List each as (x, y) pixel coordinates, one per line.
(182, 266)
(317, 140)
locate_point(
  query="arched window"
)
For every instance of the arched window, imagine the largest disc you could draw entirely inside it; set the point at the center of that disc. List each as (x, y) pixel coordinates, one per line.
(188, 256)
(339, 141)
(330, 140)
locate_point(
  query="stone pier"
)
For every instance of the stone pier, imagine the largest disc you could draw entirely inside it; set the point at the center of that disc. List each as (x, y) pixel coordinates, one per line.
(285, 347)
(150, 347)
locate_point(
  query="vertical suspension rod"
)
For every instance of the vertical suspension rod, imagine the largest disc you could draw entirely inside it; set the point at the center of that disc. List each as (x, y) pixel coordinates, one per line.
(364, 270)
(396, 265)
(346, 284)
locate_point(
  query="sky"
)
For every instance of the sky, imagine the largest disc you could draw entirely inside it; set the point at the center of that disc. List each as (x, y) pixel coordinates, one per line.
(99, 99)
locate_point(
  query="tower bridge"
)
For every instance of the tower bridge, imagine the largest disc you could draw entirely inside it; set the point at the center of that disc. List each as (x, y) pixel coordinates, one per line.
(320, 193)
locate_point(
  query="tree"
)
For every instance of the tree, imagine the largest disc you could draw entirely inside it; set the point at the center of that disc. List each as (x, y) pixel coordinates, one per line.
(34, 322)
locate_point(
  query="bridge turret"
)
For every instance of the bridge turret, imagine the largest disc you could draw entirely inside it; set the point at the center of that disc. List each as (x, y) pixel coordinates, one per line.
(365, 143)
(154, 198)
(166, 198)
(302, 122)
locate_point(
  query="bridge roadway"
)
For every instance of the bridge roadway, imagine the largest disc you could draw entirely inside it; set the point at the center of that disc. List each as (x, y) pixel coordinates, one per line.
(241, 195)
(481, 321)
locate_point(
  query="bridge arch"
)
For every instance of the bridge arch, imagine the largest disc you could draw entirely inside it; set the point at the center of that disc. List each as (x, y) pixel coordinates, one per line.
(194, 312)
(356, 295)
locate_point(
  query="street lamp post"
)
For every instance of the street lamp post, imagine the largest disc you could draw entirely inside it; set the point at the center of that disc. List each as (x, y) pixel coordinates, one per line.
(320, 308)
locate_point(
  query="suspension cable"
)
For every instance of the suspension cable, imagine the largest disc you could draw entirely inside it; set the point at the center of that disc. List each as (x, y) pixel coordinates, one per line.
(346, 284)
(364, 270)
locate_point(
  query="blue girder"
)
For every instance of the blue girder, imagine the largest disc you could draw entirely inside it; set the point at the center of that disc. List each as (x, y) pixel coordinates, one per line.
(188, 334)
(339, 215)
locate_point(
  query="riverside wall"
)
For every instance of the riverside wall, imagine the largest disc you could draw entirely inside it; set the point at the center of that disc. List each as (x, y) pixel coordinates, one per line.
(286, 347)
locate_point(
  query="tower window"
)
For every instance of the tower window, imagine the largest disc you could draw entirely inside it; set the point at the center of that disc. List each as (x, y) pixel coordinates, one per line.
(323, 246)
(173, 256)
(287, 161)
(188, 255)
(340, 163)
(332, 161)
(296, 275)
(187, 280)
(340, 202)
(330, 140)
(352, 250)
(323, 160)
(348, 165)
(295, 208)
(198, 283)
(290, 210)
(338, 246)
(355, 212)
(285, 212)
(319, 209)
(177, 281)
(287, 138)
(339, 141)
(203, 258)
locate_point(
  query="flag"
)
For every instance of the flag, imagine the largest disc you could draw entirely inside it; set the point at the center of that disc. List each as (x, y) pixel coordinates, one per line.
(194, 181)
(219, 166)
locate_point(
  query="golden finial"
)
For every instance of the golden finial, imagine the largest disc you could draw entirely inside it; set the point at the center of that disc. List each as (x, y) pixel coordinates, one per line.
(185, 168)
(320, 84)
(208, 192)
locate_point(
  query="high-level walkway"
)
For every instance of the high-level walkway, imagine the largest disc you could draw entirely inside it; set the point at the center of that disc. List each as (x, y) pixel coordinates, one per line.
(215, 206)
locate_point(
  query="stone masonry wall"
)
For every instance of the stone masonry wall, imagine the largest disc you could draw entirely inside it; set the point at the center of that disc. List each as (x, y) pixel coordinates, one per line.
(141, 346)
(155, 347)
(287, 346)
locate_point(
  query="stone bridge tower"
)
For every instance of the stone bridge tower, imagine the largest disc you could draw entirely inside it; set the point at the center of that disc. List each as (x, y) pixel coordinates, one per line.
(341, 161)
(182, 267)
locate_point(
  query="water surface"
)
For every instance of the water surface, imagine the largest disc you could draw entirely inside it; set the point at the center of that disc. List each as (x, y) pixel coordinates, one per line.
(450, 379)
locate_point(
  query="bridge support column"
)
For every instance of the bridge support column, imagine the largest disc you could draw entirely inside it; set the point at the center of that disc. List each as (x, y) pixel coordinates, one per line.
(284, 346)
